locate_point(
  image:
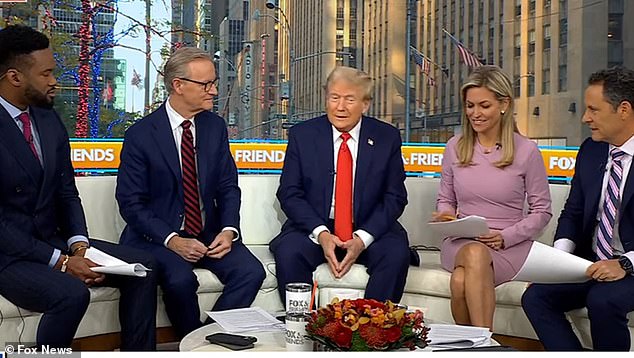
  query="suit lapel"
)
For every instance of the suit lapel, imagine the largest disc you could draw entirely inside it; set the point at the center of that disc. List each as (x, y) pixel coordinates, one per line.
(165, 141)
(325, 152)
(202, 141)
(364, 158)
(597, 172)
(45, 131)
(628, 190)
(13, 140)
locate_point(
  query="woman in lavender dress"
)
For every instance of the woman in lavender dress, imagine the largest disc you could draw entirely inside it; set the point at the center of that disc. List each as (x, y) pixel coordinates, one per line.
(491, 171)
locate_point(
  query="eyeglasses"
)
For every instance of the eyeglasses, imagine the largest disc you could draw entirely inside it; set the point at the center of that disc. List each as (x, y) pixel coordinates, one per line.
(206, 85)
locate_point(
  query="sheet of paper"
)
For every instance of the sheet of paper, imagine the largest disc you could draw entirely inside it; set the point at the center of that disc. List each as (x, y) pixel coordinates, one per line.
(112, 265)
(469, 226)
(246, 320)
(454, 336)
(546, 264)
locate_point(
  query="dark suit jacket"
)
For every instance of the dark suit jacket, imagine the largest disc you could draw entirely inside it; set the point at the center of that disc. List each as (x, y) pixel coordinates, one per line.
(578, 219)
(149, 184)
(40, 207)
(307, 180)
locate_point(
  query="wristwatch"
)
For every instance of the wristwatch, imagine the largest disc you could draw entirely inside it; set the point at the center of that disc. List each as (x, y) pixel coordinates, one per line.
(64, 263)
(626, 265)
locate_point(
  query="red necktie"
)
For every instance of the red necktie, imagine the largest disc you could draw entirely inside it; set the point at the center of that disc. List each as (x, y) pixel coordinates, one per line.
(343, 191)
(28, 134)
(193, 220)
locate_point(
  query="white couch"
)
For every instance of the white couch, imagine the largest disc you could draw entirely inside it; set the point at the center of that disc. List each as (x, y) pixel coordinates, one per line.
(427, 286)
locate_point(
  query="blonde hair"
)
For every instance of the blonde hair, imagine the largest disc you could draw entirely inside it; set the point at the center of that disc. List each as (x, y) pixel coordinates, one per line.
(353, 76)
(176, 66)
(496, 81)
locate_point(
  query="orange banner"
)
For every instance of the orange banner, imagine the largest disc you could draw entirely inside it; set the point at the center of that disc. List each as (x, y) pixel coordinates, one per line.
(258, 155)
(270, 156)
(95, 155)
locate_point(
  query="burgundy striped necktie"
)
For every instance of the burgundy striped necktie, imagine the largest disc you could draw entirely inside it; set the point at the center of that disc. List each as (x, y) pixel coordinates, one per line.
(193, 220)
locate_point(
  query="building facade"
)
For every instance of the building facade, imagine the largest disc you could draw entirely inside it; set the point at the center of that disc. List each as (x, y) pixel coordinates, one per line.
(547, 47)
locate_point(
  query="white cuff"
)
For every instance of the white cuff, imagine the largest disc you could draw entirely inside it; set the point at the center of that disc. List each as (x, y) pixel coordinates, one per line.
(314, 236)
(231, 228)
(564, 244)
(168, 238)
(365, 237)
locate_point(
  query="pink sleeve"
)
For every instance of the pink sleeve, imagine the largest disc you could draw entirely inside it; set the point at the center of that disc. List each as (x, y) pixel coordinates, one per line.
(538, 197)
(446, 199)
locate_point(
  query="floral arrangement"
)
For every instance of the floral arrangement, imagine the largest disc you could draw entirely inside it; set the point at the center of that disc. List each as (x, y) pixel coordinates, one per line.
(366, 325)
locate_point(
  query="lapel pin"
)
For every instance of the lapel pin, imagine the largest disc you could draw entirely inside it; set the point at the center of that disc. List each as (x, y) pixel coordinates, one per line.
(370, 141)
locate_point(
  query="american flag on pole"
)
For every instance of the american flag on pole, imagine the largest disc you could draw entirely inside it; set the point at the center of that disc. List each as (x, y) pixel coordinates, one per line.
(424, 64)
(466, 55)
(136, 79)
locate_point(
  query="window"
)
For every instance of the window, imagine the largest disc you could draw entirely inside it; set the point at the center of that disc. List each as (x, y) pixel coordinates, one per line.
(546, 81)
(517, 50)
(531, 41)
(546, 44)
(563, 32)
(563, 78)
(531, 86)
(546, 59)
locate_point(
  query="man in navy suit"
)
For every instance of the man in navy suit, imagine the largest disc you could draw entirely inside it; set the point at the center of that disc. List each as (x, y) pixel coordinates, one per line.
(597, 223)
(43, 236)
(178, 191)
(344, 211)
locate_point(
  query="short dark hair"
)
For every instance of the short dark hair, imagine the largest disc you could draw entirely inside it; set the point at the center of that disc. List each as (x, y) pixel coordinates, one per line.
(618, 85)
(16, 43)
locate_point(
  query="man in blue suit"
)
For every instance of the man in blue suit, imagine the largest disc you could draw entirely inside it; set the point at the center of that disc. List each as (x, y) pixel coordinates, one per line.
(43, 236)
(178, 192)
(597, 223)
(342, 189)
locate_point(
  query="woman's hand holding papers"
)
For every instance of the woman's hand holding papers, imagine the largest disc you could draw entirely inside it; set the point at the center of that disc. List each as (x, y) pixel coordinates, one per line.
(442, 216)
(493, 239)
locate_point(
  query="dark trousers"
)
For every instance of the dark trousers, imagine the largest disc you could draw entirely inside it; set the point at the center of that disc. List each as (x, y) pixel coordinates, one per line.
(608, 304)
(240, 272)
(63, 299)
(386, 259)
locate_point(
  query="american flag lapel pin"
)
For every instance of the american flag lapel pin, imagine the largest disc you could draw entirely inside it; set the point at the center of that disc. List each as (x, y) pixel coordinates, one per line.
(370, 141)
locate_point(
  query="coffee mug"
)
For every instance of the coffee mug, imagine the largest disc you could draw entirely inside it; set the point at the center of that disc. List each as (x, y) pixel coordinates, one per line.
(298, 297)
(295, 333)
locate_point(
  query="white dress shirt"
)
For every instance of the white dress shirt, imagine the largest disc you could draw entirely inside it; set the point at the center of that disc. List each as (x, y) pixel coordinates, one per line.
(568, 245)
(353, 146)
(176, 120)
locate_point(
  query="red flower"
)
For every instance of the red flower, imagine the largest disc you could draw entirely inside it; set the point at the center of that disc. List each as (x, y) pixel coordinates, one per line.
(372, 335)
(393, 334)
(339, 334)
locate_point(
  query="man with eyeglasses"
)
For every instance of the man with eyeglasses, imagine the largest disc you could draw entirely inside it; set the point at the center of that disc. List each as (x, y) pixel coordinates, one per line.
(178, 192)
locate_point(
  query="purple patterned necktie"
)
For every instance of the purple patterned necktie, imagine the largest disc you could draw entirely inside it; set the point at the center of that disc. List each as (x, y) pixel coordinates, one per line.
(611, 205)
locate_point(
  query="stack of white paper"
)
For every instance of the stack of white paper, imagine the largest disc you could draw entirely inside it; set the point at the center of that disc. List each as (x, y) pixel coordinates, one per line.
(470, 226)
(546, 264)
(454, 336)
(112, 265)
(246, 320)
